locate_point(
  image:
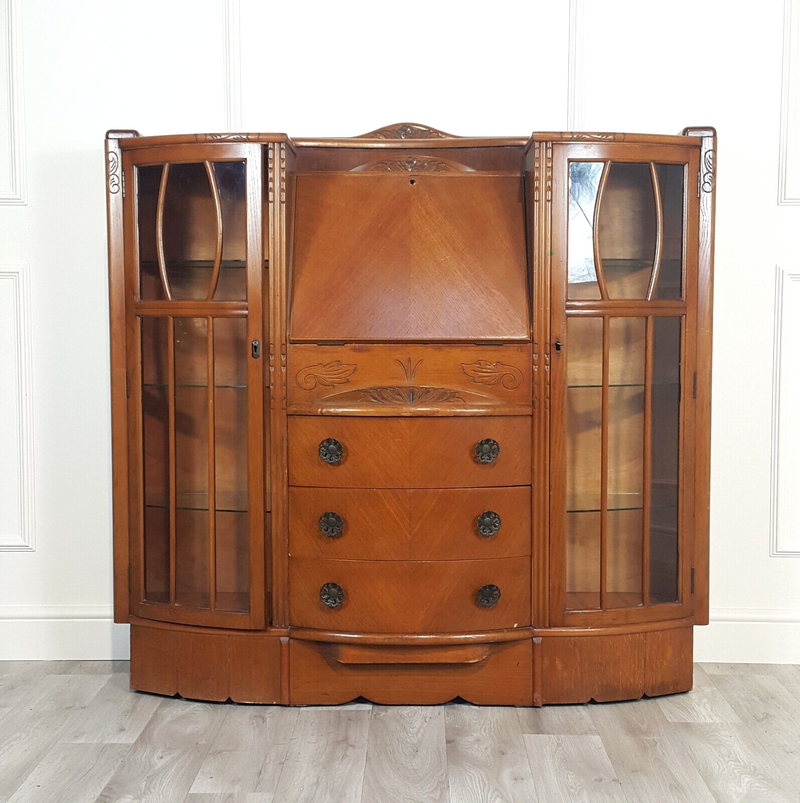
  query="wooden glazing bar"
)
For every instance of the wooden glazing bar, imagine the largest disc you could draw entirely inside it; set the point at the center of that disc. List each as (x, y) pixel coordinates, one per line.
(212, 466)
(627, 307)
(162, 262)
(212, 181)
(647, 460)
(192, 309)
(173, 534)
(659, 231)
(604, 469)
(598, 259)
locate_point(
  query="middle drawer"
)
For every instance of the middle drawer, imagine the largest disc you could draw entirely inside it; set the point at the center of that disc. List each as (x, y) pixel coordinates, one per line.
(410, 524)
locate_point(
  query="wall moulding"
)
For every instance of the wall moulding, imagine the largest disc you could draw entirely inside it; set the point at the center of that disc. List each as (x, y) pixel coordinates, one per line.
(789, 159)
(16, 408)
(785, 437)
(13, 184)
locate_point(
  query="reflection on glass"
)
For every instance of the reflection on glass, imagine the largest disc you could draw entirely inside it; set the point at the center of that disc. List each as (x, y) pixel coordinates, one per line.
(670, 277)
(665, 418)
(191, 461)
(627, 230)
(584, 178)
(583, 561)
(155, 450)
(624, 559)
(189, 225)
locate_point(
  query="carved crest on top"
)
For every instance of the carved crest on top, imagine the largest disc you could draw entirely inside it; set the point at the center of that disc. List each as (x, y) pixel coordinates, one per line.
(406, 131)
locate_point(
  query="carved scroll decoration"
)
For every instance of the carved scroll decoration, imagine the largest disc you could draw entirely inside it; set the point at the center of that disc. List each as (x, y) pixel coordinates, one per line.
(484, 372)
(707, 183)
(114, 178)
(328, 375)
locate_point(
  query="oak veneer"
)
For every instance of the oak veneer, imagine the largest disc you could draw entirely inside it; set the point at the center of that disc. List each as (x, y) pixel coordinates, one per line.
(409, 294)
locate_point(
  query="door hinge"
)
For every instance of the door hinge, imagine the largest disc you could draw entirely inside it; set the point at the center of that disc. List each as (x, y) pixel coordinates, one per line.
(130, 577)
(698, 183)
(127, 385)
(123, 183)
(694, 385)
(691, 581)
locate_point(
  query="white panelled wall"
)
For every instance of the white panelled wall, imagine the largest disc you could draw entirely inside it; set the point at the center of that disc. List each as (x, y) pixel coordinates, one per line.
(72, 70)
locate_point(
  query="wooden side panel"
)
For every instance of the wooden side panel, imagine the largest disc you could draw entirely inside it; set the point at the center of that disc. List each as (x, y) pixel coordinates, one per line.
(409, 453)
(409, 524)
(668, 661)
(431, 378)
(504, 677)
(205, 664)
(409, 597)
(119, 421)
(577, 669)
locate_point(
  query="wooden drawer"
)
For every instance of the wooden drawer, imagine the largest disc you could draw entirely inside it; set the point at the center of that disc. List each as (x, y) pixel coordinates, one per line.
(409, 524)
(409, 452)
(409, 596)
(493, 674)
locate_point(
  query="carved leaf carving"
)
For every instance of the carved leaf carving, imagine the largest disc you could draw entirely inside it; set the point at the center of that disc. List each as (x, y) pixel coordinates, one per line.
(707, 183)
(333, 373)
(484, 372)
(114, 181)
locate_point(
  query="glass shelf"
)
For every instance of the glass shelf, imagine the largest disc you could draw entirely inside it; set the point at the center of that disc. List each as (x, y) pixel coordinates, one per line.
(227, 502)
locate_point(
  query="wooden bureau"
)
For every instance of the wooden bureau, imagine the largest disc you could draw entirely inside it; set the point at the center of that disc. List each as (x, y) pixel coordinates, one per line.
(410, 416)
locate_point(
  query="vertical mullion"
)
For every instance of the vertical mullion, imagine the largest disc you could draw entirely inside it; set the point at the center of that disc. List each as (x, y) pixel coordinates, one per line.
(647, 459)
(212, 481)
(604, 469)
(171, 448)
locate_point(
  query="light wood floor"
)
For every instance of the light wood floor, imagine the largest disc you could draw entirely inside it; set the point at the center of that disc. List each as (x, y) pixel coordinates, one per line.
(73, 732)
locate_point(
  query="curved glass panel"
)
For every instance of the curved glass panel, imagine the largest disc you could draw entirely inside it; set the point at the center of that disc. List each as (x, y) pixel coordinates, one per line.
(671, 181)
(627, 230)
(584, 180)
(230, 177)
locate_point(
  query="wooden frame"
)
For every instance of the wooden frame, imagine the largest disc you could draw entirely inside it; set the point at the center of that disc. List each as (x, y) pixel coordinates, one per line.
(428, 398)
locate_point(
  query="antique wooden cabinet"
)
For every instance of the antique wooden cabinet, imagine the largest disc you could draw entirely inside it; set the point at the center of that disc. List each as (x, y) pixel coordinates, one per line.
(411, 416)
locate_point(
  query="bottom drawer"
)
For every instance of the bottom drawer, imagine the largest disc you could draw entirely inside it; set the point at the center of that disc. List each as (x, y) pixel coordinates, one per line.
(409, 596)
(493, 674)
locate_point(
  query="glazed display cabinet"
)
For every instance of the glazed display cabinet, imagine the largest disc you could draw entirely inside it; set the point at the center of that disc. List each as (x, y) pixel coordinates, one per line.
(409, 416)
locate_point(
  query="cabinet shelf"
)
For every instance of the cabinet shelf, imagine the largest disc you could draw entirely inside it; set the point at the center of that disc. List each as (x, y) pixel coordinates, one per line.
(590, 502)
(227, 501)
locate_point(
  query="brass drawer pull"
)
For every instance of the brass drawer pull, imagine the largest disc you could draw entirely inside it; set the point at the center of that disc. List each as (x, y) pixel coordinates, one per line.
(331, 524)
(487, 450)
(331, 451)
(332, 595)
(487, 595)
(488, 523)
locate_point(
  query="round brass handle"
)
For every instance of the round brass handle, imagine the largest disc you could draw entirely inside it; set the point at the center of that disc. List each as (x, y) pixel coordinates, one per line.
(330, 450)
(487, 450)
(487, 595)
(488, 523)
(331, 524)
(332, 595)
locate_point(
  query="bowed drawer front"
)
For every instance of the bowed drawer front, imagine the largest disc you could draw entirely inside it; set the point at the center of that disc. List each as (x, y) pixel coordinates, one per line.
(410, 524)
(344, 452)
(409, 596)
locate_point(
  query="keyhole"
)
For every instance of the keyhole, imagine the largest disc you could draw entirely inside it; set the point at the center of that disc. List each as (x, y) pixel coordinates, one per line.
(412, 181)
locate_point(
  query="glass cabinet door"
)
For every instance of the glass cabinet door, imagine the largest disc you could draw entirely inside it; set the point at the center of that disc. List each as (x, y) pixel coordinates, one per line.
(623, 321)
(196, 385)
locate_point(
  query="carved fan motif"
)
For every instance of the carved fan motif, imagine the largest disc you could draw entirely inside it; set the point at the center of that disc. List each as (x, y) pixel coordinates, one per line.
(410, 394)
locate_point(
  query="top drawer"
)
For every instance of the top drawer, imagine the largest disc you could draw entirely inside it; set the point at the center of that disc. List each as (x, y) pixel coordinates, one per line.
(409, 452)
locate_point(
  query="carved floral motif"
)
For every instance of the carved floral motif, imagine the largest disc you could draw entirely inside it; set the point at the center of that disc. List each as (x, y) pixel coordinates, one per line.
(484, 372)
(333, 373)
